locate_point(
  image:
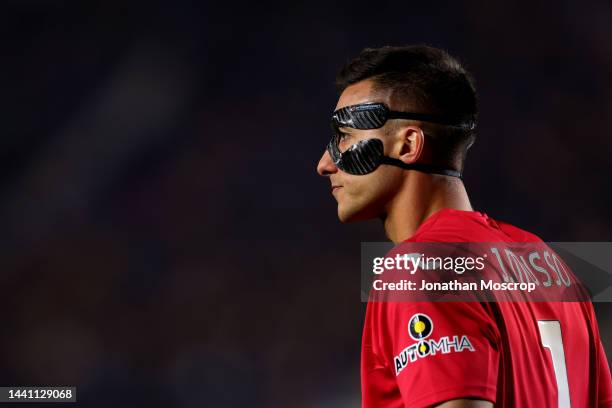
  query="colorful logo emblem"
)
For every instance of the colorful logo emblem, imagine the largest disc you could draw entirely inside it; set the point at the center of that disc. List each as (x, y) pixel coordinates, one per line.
(420, 326)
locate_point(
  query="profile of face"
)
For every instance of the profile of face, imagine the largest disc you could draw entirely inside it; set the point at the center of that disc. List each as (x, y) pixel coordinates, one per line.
(362, 197)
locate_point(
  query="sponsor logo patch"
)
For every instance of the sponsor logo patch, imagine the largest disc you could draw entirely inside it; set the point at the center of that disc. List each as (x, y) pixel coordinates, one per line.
(420, 328)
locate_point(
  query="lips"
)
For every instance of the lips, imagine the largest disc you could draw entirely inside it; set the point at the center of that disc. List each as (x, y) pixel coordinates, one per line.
(335, 188)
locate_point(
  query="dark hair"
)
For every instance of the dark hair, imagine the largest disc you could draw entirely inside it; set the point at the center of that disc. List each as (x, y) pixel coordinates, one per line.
(426, 80)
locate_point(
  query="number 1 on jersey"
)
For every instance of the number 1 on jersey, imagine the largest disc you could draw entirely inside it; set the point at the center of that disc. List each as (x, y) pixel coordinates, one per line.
(550, 332)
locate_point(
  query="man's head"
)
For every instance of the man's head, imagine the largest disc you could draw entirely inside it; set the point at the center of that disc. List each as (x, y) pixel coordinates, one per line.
(415, 79)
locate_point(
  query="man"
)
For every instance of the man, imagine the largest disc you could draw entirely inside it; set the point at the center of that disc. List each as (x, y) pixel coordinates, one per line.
(403, 124)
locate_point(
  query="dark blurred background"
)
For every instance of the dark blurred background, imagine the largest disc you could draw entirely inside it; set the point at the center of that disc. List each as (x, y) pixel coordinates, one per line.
(165, 238)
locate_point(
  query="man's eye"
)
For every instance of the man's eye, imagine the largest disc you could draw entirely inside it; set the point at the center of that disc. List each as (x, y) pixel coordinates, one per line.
(341, 135)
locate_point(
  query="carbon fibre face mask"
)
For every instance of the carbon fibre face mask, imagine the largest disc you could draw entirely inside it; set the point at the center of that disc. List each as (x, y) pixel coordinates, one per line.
(365, 156)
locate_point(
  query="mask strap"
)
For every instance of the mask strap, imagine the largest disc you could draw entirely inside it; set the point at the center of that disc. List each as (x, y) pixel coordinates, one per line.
(425, 168)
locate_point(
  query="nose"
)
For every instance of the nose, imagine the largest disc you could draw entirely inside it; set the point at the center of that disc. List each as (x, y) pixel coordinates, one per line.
(326, 165)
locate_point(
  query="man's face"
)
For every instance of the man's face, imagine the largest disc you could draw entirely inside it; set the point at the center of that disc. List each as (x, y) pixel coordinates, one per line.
(367, 196)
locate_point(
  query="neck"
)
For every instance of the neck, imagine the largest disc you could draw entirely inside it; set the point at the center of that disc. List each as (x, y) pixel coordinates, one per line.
(422, 195)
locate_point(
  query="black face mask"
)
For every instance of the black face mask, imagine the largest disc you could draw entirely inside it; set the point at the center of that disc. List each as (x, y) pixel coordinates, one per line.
(365, 156)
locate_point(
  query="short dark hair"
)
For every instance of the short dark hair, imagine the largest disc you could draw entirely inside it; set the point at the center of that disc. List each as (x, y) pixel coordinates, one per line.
(423, 79)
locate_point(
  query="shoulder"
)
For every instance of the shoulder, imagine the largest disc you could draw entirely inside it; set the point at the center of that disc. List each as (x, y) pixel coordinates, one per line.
(517, 233)
(450, 225)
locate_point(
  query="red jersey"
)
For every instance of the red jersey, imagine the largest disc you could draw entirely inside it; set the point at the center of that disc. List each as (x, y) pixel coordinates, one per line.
(514, 354)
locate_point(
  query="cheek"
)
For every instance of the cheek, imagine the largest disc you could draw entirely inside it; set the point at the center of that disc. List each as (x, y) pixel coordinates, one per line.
(378, 185)
(387, 183)
(387, 175)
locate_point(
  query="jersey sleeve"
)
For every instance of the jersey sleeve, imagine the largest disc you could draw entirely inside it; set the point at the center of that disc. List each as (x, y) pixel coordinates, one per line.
(603, 399)
(604, 388)
(440, 351)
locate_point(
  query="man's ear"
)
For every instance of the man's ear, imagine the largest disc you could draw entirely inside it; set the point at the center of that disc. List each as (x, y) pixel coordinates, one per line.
(412, 143)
